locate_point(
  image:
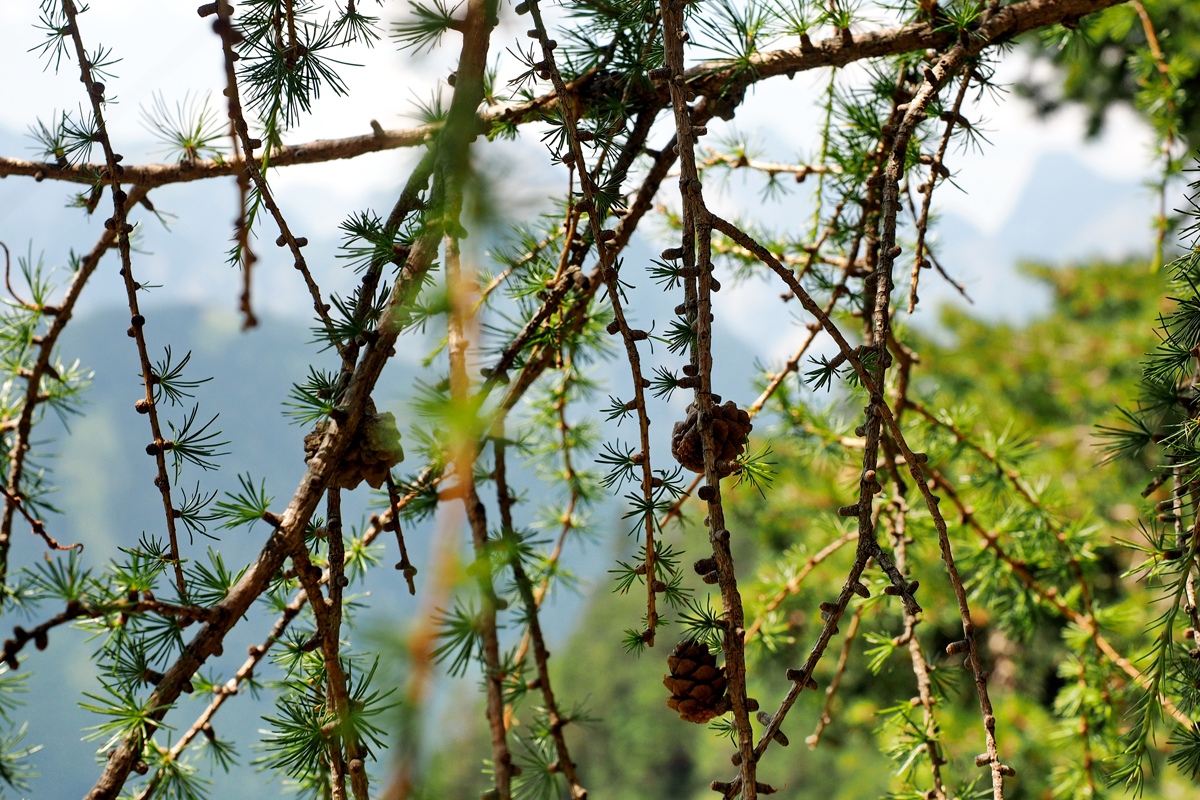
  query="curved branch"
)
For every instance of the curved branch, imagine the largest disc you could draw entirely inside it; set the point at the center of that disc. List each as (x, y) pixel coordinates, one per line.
(711, 79)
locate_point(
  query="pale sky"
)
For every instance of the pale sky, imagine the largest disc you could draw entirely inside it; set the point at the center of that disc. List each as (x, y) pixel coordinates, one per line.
(165, 45)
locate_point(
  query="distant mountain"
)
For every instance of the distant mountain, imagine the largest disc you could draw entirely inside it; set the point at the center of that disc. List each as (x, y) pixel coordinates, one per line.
(108, 499)
(1066, 212)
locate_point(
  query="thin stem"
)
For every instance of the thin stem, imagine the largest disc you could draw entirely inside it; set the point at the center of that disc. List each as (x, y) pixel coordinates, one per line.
(824, 155)
(1049, 595)
(937, 170)
(541, 655)
(921, 668)
(119, 223)
(838, 671)
(224, 27)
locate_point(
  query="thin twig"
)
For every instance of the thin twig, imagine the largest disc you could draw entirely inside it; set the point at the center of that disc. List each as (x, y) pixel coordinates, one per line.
(793, 585)
(838, 671)
(541, 655)
(119, 223)
(37, 527)
(937, 170)
(1164, 74)
(608, 274)
(224, 28)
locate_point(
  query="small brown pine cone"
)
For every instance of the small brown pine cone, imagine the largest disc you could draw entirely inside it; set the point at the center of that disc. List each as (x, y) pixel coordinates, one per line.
(697, 684)
(374, 449)
(730, 427)
(685, 442)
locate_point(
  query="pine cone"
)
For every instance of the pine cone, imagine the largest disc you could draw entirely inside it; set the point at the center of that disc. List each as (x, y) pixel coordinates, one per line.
(374, 449)
(730, 427)
(697, 684)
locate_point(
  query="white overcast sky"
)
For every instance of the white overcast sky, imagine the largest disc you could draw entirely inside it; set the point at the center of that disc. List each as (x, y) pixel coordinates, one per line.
(166, 46)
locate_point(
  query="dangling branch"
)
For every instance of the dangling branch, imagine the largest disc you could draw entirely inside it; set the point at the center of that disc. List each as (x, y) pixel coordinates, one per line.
(36, 526)
(230, 36)
(404, 565)
(605, 253)
(120, 225)
(541, 655)
(898, 511)
(937, 169)
(699, 284)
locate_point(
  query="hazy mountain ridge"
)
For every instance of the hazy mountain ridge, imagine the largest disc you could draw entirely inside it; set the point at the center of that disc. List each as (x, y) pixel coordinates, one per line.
(1066, 213)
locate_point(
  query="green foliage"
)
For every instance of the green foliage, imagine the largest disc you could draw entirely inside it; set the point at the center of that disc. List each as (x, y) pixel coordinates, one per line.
(460, 630)
(313, 400)
(188, 132)
(283, 74)
(425, 30)
(196, 445)
(245, 507)
(703, 623)
(68, 138)
(1163, 424)
(14, 767)
(124, 712)
(169, 381)
(296, 743)
(1108, 59)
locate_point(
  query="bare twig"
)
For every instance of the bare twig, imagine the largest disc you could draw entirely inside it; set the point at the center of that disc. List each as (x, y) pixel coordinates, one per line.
(36, 525)
(119, 223)
(1164, 73)
(620, 324)
(838, 671)
(541, 655)
(404, 565)
(135, 605)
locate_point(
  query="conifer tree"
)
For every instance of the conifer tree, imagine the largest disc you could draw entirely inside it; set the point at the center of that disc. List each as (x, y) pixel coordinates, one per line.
(622, 96)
